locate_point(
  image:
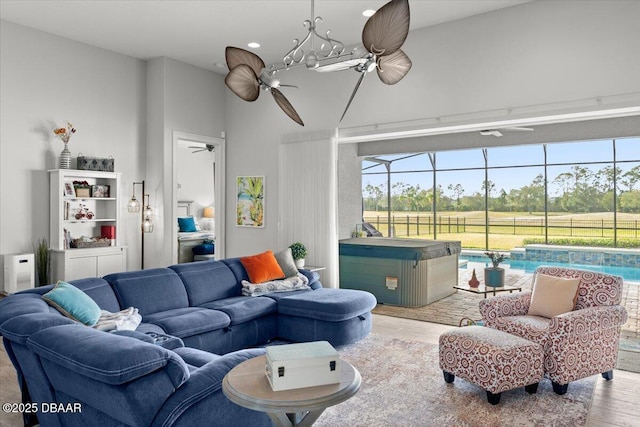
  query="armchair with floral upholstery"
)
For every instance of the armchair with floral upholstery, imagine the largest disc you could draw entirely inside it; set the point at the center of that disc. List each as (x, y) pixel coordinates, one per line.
(577, 344)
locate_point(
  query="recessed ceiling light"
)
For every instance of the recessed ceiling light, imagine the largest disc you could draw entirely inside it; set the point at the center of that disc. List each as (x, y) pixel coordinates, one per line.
(368, 13)
(254, 45)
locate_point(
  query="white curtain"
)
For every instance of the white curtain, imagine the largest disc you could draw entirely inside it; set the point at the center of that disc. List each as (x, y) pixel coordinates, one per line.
(308, 199)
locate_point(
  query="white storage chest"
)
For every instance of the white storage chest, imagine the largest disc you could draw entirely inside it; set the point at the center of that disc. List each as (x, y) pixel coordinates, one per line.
(302, 365)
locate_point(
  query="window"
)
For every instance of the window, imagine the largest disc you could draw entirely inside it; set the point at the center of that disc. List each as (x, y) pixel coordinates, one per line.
(497, 198)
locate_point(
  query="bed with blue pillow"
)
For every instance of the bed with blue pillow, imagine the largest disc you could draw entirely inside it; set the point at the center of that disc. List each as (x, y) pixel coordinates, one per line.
(190, 235)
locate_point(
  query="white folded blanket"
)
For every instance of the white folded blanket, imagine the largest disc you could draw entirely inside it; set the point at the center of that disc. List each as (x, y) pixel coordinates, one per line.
(294, 283)
(127, 319)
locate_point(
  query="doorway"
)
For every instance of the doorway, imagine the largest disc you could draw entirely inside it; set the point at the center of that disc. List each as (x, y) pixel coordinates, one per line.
(198, 191)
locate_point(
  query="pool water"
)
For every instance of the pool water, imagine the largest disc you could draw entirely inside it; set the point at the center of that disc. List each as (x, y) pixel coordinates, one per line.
(477, 262)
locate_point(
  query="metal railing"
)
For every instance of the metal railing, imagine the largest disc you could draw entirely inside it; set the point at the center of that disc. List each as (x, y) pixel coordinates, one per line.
(424, 225)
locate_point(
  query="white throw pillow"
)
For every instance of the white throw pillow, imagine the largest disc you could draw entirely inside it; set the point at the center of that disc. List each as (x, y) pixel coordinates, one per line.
(286, 262)
(553, 295)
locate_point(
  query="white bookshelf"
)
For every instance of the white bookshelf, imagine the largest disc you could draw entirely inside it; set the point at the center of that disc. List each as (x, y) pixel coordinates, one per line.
(68, 263)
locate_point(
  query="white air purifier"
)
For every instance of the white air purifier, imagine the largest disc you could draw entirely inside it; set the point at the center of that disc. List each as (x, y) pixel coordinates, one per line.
(19, 272)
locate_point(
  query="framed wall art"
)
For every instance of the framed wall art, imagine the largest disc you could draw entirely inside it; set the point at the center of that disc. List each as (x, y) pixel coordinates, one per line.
(250, 201)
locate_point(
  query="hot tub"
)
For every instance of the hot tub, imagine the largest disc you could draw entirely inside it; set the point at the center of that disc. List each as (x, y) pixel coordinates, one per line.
(404, 272)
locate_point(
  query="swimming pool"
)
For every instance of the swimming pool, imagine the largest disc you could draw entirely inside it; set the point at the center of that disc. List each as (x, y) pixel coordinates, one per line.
(628, 273)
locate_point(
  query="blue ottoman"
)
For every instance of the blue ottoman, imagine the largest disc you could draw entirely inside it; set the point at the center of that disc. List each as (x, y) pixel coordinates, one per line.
(340, 316)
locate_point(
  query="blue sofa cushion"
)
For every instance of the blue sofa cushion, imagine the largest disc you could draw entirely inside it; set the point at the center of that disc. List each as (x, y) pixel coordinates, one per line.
(195, 357)
(186, 322)
(150, 291)
(332, 305)
(100, 291)
(105, 357)
(277, 296)
(97, 288)
(207, 281)
(204, 382)
(73, 303)
(20, 328)
(243, 309)
(23, 303)
(237, 268)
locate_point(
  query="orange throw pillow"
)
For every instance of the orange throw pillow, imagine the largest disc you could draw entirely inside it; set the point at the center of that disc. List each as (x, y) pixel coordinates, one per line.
(262, 267)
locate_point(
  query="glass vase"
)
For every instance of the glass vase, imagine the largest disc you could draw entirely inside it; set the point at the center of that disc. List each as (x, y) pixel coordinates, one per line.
(65, 158)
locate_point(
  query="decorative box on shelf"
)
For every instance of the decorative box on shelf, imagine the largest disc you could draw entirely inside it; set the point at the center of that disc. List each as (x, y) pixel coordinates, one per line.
(94, 243)
(96, 163)
(82, 191)
(302, 365)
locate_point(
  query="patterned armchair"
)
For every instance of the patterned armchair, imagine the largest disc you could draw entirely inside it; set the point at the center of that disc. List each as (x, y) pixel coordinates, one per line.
(577, 344)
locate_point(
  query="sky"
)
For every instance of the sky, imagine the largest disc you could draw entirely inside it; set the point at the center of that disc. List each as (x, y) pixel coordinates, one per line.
(507, 179)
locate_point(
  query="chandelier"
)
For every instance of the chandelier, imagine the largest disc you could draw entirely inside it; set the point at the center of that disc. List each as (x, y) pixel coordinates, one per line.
(329, 48)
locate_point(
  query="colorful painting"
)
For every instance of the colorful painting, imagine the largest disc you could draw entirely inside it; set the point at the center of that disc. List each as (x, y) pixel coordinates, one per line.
(250, 201)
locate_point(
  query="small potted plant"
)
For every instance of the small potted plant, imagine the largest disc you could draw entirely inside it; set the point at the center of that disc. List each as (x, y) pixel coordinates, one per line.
(299, 252)
(494, 276)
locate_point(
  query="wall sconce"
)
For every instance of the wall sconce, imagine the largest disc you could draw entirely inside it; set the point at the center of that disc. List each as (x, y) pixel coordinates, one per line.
(147, 223)
(209, 215)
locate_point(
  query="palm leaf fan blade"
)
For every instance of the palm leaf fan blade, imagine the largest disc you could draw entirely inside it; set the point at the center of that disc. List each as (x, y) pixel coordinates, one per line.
(242, 81)
(236, 56)
(353, 94)
(286, 106)
(385, 32)
(392, 68)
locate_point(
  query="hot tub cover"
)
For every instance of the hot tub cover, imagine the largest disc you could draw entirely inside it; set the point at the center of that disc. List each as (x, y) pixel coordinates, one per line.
(413, 249)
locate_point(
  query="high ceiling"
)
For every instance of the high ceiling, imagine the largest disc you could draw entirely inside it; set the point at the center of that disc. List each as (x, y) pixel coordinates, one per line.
(196, 32)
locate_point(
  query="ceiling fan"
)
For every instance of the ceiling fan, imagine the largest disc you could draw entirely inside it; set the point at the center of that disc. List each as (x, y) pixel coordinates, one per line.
(208, 147)
(498, 134)
(382, 36)
(247, 75)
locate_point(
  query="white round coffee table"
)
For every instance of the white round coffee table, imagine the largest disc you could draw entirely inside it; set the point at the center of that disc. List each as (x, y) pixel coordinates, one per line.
(247, 385)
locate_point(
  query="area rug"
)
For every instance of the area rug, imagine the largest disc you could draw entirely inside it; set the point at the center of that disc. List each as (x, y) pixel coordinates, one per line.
(402, 385)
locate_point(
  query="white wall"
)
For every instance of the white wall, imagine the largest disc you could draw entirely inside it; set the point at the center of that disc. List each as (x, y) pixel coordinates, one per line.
(44, 81)
(349, 189)
(187, 99)
(532, 54)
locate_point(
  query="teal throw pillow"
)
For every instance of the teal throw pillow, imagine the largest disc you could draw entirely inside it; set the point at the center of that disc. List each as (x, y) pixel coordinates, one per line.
(73, 303)
(187, 224)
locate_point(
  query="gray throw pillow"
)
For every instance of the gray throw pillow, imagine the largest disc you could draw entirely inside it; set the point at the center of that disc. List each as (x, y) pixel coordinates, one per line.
(286, 263)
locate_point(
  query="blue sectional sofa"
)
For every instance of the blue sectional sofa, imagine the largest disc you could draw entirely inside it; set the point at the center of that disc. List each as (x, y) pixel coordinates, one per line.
(196, 326)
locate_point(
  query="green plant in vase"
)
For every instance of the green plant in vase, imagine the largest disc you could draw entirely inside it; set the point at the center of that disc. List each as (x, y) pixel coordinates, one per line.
(41, 250)
(299, 252)
(494, 276)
